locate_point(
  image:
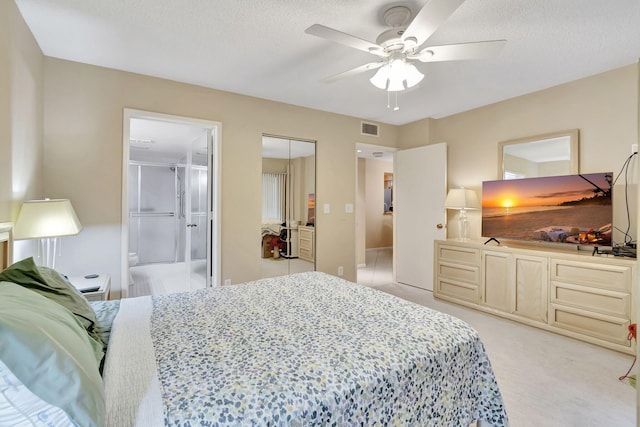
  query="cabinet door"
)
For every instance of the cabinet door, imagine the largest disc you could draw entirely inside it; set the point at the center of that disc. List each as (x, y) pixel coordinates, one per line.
(497, 280)
(515, 283)
(531, 287)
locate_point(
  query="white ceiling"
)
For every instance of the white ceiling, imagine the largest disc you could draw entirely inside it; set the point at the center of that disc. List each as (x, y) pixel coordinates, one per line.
(281, 148)
(259, 48)
(164, 141)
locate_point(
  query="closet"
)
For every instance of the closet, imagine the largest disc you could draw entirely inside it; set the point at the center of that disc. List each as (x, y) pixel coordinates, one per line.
(288, 206)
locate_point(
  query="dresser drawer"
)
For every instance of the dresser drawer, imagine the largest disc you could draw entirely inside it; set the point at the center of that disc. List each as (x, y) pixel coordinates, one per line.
(458, 254)
(459, 272)
(305, 253)
(603, 301)
(305, 244)
(595, 274)
(458, 290)
(608, 328)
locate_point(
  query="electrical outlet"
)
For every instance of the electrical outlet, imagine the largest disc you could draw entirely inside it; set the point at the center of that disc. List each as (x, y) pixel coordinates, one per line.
(227, 282)
(341, 271)
(634, 148)
(327, 208)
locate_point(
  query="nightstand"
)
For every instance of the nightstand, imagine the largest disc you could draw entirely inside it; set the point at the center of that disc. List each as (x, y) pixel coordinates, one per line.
(102, 282)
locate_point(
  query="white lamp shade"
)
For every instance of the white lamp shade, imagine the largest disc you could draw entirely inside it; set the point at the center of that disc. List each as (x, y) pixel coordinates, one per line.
(413, 75)
(381, 77)
(40, 219)
(462, 198)
(395, 85)
(395, 74)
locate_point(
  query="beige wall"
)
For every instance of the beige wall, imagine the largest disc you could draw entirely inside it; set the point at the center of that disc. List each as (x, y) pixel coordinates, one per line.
(21, 113)
(83, 150)
(274, 165)
(83, 129)
(602, 107)
(379, 227)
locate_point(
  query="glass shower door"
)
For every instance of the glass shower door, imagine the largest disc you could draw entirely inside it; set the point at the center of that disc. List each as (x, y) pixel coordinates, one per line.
(152, 213)
(197, 226)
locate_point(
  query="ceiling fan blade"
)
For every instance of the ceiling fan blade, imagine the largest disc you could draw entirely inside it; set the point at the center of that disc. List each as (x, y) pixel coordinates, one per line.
(460, 51)
(354, 71)
(345, 39)
(430, 17)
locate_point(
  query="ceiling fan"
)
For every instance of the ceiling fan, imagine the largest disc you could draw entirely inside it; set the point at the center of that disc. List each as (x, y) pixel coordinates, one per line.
(400, 47)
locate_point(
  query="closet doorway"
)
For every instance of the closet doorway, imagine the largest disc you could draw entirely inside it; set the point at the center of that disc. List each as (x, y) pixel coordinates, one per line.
(288, 231)
(170, 199)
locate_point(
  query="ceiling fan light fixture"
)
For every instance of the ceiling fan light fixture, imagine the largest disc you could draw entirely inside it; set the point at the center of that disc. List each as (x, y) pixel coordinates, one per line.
(396, 76)
(413, 75)
(396, 85)
(381, 77)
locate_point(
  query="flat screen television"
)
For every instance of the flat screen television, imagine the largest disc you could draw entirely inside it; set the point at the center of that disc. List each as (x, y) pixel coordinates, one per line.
(569, 209)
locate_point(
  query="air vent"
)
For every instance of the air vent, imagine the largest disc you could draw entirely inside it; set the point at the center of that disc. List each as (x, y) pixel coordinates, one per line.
(369, 129)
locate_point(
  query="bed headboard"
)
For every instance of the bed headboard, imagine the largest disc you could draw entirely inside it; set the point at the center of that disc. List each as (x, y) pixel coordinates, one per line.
(6, 243)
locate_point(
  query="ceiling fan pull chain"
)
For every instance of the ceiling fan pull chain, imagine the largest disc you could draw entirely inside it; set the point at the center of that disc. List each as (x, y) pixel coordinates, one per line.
(388, 103)
(396, 108)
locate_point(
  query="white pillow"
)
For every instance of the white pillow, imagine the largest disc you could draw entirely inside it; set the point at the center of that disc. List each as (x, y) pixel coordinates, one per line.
(19, 407)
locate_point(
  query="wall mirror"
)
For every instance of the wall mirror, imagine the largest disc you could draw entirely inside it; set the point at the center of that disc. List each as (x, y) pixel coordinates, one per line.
(388, 192)
(288, 232)
(542, 155)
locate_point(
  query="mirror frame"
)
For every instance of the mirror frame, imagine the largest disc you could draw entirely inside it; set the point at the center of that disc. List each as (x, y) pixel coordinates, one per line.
(572, 134)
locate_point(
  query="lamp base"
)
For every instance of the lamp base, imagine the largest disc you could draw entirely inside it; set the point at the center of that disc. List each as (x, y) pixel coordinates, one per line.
(47, 251)
(464, 225)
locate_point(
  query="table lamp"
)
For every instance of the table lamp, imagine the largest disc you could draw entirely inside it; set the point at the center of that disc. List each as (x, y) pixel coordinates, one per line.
(462, 199)
(46, 220)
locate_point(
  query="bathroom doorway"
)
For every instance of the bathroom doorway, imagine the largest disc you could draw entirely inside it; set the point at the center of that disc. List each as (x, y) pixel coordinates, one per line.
(170, 190)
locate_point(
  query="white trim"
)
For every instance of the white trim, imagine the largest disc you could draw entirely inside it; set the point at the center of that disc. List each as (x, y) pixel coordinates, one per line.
(215, 130)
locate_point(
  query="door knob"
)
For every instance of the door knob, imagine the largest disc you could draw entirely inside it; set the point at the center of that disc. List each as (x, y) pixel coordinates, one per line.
(192, 225)
(439, 226)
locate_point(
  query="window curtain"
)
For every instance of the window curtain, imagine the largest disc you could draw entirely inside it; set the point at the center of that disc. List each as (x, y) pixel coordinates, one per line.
(274, 195)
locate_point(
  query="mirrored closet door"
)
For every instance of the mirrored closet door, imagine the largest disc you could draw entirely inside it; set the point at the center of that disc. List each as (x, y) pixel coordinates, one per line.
(288, 232)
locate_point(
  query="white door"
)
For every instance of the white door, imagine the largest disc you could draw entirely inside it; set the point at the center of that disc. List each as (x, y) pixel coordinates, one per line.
(420, 186)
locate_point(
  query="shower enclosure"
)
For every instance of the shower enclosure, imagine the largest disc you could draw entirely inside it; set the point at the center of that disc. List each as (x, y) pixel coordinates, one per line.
(171, 200)
(168, 216)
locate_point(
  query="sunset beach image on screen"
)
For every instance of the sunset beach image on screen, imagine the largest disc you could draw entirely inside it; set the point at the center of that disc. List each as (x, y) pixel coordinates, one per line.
(572, 209)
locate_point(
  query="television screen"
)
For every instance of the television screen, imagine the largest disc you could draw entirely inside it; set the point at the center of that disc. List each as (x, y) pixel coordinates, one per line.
(573, 209)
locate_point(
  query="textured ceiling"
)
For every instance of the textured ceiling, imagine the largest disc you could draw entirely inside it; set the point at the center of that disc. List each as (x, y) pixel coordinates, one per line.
(259, 48)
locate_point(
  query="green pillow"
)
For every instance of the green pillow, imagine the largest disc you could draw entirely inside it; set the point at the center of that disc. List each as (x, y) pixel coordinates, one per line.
(52, 285)
(45, 346)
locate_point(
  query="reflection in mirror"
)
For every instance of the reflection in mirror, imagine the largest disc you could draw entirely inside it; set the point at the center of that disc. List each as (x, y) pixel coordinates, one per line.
(388, 192)
(288, 206)
(543, 155)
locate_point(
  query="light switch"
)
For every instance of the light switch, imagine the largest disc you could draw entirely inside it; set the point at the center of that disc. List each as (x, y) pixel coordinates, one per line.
(348, 208)
(327, 208)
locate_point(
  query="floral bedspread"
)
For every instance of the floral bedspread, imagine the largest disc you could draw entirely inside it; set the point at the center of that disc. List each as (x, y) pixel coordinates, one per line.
(313, 349)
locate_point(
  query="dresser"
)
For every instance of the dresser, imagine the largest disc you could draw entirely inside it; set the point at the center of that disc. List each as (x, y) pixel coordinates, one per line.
(591, 298)
(306, 243)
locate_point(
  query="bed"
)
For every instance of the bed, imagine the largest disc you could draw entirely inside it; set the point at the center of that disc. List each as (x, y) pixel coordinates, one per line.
(300, 350)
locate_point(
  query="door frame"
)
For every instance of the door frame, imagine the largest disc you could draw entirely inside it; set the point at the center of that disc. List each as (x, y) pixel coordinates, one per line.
(360, 217)
(214, 230)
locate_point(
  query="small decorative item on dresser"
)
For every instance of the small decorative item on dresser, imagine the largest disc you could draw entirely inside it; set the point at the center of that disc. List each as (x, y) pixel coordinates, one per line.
(95, 287)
